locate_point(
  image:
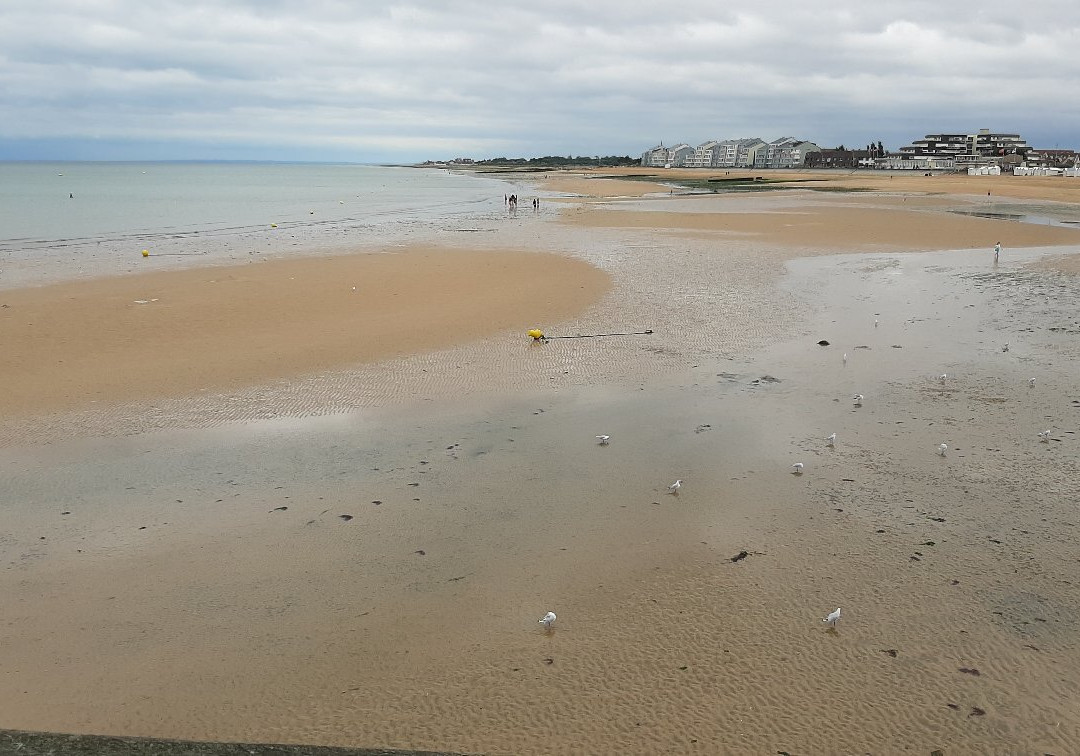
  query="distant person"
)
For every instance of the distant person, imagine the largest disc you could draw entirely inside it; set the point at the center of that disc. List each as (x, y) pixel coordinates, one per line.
(71, 196)
(997, 252)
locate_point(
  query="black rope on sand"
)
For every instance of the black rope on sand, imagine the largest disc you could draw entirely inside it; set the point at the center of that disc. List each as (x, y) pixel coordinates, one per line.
(598, 335)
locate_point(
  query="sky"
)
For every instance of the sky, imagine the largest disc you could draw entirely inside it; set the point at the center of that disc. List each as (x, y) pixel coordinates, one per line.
(404, 82)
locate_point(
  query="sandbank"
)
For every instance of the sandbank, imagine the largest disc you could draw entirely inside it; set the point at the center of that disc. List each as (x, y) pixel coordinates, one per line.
(175, 333)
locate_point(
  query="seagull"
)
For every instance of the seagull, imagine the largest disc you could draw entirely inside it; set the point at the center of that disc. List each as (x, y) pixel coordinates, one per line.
(1044, 436)
(875, 323)
(845, 358)
(830, 440)
(833, 618)
(674, 487)
(858, 400)
(943, 377)
(942, 449)
(796, 469)
(1005, 348)
(548, 620)
(1031, 382)
(603, 440)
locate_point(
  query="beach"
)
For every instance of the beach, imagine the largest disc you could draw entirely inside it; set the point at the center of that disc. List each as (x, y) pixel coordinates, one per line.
(246, 502)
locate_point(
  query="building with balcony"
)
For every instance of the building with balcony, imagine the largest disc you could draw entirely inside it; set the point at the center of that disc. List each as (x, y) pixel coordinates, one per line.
(667, 157)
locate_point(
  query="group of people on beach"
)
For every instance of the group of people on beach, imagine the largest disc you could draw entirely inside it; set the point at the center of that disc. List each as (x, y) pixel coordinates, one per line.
(511, 201)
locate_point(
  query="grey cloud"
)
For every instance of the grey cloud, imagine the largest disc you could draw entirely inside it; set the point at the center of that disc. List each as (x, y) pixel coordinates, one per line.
(419, 79)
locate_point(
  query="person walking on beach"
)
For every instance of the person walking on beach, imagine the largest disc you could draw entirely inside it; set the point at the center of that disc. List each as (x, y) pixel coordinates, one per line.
(997, 252)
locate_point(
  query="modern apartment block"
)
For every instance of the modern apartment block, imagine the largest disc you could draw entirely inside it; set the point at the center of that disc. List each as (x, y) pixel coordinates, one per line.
(667, 157)
(964, 149)
(786, 152)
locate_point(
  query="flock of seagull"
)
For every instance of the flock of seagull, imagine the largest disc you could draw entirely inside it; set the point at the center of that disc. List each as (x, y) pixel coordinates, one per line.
(797, 469)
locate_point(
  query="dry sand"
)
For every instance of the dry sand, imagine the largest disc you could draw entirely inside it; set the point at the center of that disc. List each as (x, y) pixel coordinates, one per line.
(200, 581)
(176, 333)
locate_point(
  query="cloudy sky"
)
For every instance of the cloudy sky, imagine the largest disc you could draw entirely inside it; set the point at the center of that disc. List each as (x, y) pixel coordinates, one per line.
(375, 81)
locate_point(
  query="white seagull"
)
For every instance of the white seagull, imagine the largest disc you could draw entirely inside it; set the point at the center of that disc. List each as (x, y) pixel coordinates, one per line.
(797, 468)
(1031, 382)
(833, 618)
(674, 487)
(942, 449)
(603, 440)
(1044, 436)
(548, 620)
(830, 440)
(943, 377)
(858, 400)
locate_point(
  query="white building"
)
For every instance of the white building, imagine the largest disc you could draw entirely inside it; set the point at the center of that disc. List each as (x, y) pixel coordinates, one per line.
(738, 153)
(704, 155)
(667, 157)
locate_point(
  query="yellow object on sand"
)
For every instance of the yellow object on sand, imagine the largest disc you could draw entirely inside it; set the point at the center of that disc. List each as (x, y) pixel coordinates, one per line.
(146, 253)
(537, 334)
(273, 225)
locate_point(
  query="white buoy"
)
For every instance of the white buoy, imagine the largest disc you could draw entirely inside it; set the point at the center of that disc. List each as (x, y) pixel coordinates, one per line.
(833, 618)
(942, 448)
(548, 620)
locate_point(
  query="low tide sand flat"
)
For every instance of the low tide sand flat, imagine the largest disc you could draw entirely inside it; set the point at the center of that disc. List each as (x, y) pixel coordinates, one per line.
(167, 334)
(193, 579)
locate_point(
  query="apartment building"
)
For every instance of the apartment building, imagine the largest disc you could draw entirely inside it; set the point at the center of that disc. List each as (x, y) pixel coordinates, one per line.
(965, 149)
(667, 157)
(785, 152)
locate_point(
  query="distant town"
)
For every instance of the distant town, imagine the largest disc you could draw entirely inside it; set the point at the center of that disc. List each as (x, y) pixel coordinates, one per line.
(984, 152)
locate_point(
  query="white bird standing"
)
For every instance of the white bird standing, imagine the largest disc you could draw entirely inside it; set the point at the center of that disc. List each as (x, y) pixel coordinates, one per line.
(830, 440)
(603, 440)
(1031, 382)
(943, 377)
(833, 618)
(1044, 436)
(674, 487)
(548, 620)
(858, 400)
(797, 468)
(942, 449)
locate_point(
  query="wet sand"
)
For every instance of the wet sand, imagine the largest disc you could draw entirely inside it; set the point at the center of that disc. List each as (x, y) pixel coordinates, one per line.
(374, 577)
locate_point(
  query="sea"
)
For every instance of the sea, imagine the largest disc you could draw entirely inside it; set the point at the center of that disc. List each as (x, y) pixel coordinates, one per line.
(54, 214)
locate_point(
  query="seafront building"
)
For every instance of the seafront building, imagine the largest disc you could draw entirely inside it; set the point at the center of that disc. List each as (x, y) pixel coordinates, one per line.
(982, 153)
(786, 152)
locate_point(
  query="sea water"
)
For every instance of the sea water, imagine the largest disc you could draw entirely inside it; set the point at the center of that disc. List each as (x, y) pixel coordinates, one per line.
(52, 209)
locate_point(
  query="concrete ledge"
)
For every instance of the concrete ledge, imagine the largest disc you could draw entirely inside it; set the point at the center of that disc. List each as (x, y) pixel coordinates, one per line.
(19, 743)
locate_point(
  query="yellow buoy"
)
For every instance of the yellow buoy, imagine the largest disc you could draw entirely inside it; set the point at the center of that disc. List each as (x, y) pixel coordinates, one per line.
(146, 253)
(537, 334)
